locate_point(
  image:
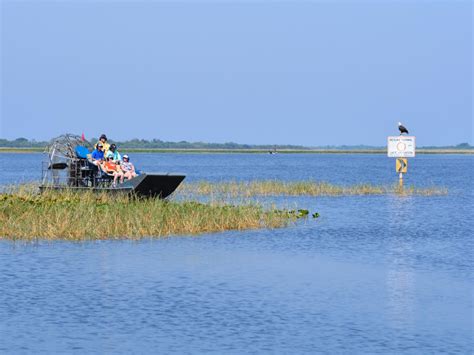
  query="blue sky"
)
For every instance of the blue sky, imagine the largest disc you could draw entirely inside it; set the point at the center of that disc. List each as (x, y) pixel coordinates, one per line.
(297, 72)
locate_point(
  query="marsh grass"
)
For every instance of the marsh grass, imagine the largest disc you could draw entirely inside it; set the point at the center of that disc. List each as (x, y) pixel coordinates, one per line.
(82, 216)
(299, 188)
(69, 215)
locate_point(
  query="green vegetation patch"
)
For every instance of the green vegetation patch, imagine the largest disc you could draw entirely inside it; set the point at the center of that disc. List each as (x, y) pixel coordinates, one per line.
(85, 216)
(300, 188)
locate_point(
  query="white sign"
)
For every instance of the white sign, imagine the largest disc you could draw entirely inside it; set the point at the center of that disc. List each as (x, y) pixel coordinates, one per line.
(401, 146)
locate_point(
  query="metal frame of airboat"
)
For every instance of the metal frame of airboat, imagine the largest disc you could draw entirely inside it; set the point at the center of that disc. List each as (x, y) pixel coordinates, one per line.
(64, 170)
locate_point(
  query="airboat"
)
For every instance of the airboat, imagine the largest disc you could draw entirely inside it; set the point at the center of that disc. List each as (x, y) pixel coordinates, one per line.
(67, 165)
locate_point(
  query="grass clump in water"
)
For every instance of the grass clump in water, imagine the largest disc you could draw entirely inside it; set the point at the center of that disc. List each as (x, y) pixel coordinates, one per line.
(299, 188)
(85, 215)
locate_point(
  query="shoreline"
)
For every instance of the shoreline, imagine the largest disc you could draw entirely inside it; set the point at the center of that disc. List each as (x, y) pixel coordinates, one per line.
(255, 151)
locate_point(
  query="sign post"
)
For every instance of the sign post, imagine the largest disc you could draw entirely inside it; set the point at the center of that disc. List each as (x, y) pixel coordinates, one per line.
(401, 166)
(401, 147)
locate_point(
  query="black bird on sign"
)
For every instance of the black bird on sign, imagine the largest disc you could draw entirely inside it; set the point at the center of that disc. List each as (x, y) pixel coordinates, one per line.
(402, 128)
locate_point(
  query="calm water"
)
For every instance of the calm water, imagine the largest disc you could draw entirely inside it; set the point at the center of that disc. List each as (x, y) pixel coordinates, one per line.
(374, 274)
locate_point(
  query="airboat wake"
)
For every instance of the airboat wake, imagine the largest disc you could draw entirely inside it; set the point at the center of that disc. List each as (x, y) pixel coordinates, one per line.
(68, 166)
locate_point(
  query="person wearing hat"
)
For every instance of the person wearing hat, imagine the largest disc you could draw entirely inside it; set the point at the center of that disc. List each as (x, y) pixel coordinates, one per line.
(105, 145)
(97, 155)
(114, 154)
(128, 168)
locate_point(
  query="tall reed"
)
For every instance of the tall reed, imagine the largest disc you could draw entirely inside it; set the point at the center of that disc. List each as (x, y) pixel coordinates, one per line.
(298, 188)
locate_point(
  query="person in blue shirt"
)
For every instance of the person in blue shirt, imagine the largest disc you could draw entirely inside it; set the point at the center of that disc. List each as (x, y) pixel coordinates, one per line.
(98, 155)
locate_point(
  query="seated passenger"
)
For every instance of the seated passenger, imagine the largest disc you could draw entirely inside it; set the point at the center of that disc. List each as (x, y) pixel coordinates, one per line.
(128, 168)
(111, 168)
(97, 155)
(103, 141)
(113, 152)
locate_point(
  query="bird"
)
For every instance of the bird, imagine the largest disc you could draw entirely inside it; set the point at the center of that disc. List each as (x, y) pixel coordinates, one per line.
(402, 128)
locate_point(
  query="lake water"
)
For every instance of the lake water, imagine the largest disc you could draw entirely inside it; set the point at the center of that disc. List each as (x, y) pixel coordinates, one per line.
(374, 274)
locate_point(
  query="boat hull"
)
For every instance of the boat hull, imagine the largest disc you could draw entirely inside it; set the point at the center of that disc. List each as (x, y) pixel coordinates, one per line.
(156, 185)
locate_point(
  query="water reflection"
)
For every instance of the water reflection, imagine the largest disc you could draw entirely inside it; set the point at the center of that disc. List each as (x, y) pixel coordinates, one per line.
(400, 280)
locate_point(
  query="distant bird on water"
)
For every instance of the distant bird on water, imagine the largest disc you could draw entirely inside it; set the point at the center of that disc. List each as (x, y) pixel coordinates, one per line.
(402, 128)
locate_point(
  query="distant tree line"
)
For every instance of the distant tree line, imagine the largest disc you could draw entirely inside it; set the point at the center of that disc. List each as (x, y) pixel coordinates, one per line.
(159, 144)
(22, 143)
(153, 144)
